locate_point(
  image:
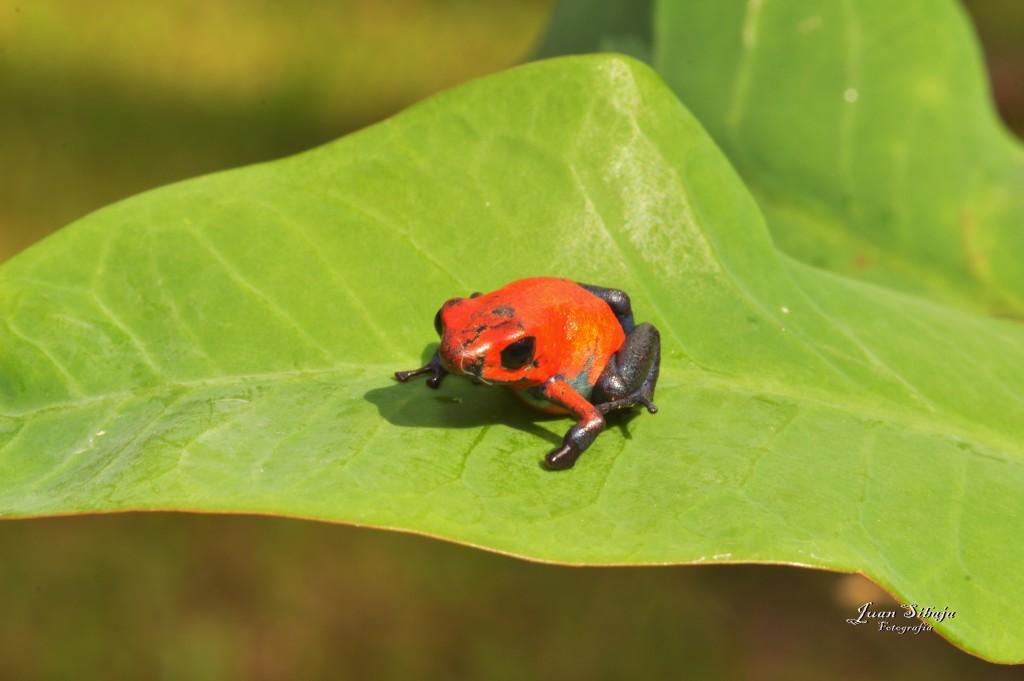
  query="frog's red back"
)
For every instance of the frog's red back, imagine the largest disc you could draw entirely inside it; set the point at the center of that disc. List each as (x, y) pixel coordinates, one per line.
(576, 331)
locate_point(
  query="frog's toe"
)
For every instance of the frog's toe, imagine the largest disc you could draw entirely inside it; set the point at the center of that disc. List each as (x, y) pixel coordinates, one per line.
(404, 376)
(561, 459)
(627, 402)
(651, 407)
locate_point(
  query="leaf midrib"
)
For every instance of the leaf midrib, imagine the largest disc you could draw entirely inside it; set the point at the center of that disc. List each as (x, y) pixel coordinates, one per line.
(941, 425)
(889, 413)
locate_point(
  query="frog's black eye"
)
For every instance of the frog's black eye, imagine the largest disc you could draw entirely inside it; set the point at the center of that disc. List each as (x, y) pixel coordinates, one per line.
(519, 354)
(438, 325)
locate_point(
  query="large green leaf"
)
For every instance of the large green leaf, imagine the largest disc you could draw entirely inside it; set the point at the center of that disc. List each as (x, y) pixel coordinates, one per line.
(226, 344)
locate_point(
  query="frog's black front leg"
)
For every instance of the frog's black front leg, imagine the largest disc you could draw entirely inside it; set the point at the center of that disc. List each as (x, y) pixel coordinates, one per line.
(631, 374)
(591, 423)
(433, 367)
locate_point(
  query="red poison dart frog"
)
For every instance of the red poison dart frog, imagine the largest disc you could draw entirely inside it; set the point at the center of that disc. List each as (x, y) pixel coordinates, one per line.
(560, 346)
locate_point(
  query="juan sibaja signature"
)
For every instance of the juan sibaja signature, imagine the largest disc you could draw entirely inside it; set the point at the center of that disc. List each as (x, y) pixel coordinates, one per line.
(884, 618)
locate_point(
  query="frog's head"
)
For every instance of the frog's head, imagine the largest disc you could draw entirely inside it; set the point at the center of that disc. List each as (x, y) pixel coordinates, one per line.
(485, 339)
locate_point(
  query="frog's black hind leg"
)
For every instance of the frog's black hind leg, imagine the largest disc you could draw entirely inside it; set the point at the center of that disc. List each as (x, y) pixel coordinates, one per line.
(590, 424)
(618, 301)
(631, 373)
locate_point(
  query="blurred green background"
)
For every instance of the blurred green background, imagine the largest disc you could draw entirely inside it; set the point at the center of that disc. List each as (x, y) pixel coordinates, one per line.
(100, 100)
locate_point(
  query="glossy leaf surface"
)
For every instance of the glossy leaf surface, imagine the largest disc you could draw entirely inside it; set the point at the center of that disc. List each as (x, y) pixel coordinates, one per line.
(226, 344)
